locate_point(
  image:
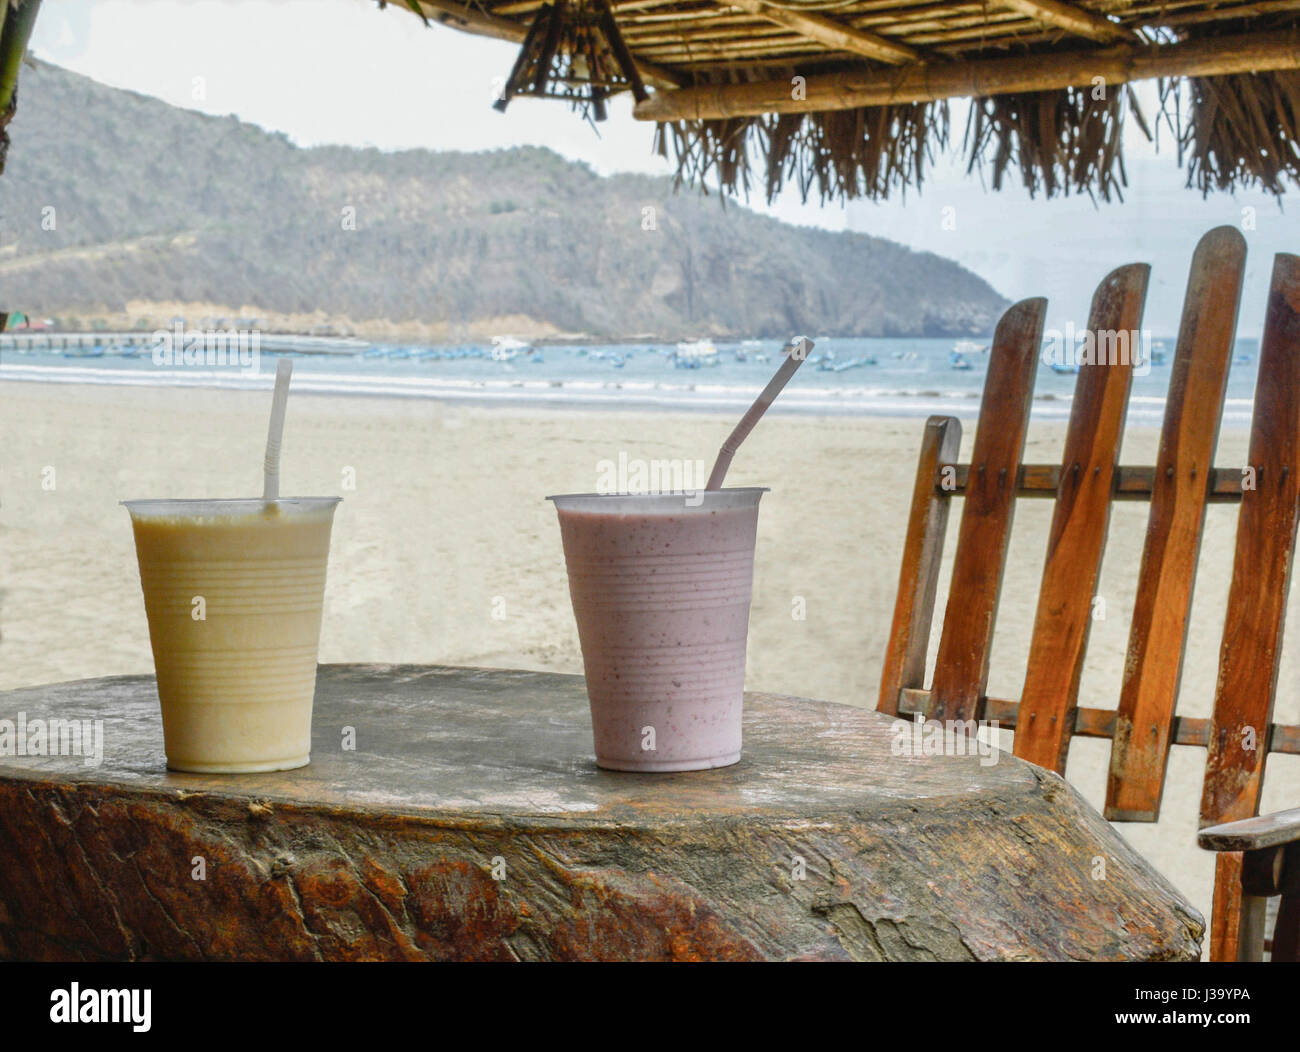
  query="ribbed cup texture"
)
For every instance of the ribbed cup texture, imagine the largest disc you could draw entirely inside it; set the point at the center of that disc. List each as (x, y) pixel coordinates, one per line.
(662, 606)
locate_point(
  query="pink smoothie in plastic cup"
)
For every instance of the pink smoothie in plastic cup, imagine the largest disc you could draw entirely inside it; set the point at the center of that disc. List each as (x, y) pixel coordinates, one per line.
(661, 586)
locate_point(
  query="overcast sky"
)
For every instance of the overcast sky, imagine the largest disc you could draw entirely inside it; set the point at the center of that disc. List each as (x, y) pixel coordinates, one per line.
(342, 71)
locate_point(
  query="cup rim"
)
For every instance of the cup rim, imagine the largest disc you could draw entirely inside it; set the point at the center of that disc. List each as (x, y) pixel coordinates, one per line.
(223, 505)
(678, 495)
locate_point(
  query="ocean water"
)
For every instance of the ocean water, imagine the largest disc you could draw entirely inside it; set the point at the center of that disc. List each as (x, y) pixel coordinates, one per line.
(910, 377)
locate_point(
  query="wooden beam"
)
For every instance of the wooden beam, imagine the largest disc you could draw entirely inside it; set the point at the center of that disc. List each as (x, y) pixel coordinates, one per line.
(1131, 483)
(471, 20)
(833, 34)
(468, 19)
(1049, 71)
(1099, 723)
(1077, 20)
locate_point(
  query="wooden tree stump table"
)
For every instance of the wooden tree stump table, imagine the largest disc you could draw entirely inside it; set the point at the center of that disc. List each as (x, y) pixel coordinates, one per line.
(470, 822)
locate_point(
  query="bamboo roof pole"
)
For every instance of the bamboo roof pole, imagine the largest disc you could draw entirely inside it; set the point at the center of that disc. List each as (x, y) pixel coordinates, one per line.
(468, 19)
(1174, 13)
(1077, 20)
(903, 22)
(1049, 71)
(833, 34)
(645, 36)
(523, 7)
(676, 48)
(780, 52)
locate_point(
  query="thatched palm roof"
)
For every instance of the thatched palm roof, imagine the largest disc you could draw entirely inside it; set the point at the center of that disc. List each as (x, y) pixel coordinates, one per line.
(850, 98)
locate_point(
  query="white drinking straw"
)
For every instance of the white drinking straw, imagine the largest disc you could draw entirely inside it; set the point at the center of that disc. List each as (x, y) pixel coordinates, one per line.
(271, 463)
(796, 351)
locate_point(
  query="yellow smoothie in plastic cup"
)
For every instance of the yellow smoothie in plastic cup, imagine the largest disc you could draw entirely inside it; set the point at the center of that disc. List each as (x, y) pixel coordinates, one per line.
(234, 590)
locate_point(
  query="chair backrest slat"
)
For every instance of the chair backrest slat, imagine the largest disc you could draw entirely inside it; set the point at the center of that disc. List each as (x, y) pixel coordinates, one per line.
(1179, 492)
(1266, 534)
(1079, 521)
(963, 660)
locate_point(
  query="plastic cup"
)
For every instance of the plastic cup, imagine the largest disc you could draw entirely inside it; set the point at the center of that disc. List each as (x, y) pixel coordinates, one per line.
(234, 590)
(661, 585)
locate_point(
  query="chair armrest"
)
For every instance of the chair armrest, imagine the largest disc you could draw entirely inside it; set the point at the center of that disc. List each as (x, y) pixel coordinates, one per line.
(1253, 834)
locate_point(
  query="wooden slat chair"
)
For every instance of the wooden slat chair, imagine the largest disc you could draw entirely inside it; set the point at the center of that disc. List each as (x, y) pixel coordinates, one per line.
(1258, 857)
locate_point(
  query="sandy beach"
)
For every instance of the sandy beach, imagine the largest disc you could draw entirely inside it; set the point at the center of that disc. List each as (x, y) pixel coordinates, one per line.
(445, 551)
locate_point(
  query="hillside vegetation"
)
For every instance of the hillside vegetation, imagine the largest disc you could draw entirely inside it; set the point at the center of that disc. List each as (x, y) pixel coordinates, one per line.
(157, 210)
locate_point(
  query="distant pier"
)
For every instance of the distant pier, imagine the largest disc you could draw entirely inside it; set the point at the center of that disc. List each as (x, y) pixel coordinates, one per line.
(22, 341)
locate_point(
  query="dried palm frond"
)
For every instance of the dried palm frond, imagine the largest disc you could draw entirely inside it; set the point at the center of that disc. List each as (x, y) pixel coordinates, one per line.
(842, 154)
(704, 149)
(1242, 129)
(1060, 141)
